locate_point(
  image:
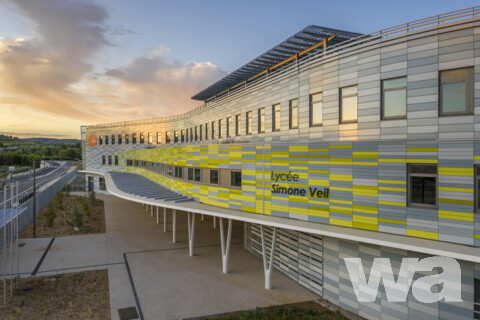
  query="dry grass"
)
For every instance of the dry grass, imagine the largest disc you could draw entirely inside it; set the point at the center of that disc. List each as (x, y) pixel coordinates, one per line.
(82, 295)
(62, 215)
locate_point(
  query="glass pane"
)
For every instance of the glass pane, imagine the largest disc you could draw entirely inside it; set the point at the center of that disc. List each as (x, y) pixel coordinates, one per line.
(190, 173)
(214, 176)
(349, 109)
(419, 168)
(454, 97)
(236, 178)
(294, 102)
(349, 90)
(423, 190)
(294, 118)
(395, 103)
(317, 97)
(394, 83)
(458, 75)
(317, 117)
(478, 194)
(197, 174)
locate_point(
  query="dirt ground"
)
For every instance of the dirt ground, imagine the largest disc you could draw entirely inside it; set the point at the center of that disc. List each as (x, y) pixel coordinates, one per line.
(82, 295)
(65, 214)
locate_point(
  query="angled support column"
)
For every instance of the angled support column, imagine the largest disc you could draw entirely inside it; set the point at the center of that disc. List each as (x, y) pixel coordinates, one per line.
(165, 219)
(146, 207)
(174, 226)
(268, 267)
(158, 215)
(151, 211)
(191, 232)
(225, 251)
(203, 217)
(214, 222)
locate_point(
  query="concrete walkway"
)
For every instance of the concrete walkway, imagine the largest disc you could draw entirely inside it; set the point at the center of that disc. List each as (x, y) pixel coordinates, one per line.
(169, 284)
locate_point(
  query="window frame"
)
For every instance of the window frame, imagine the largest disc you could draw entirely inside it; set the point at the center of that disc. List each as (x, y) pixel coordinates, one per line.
(238, 125)
(231, 185)
(470, 93)
(409, 188)
(382, 99)
(276, 117)
(142, 138)
(261, 120)
(310, 115)
(159, 137)
(341, 103)
(476, 179)
(229, 127)
(104, 161)
(210, 177)
(290, 112)
(248, 123)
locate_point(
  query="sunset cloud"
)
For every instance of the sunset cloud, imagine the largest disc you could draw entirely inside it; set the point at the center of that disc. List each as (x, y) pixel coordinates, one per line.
(51, 73)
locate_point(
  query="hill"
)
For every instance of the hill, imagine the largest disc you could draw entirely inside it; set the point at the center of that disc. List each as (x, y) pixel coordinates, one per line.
(51, 140)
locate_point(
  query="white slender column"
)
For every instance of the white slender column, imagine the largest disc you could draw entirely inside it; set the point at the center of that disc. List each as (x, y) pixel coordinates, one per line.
(203, 217)
(151, 211)
(146, 207)
(214, 222)
(158, 215)
(225, 251)
(174, 226)
(191, 232)
(268, 267)
(164, 219)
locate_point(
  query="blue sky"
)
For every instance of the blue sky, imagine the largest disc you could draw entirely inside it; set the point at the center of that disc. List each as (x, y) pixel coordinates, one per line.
(70, 62)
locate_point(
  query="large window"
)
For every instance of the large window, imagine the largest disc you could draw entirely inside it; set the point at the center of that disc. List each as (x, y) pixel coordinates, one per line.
(248, 123)
(235, 178)
(197, 174)
(127, 137)
(213, 176)
(238, 125)
(100, 140)
(316, 109)
(106, 139)
(293, 114)
(348, 104)
(394, 98)
(150, 138)
(113, 139)
(456, 91)
(422, 185)
(142, 138)
(261, 120)
(167, 137)
(206, 131)
(213, 129)
(103, 159)
(109, 160)
(175, 136)
(220, 128)
(119, 139)
(134, 138)
(276, 117)
(116, 160)
(182, 135)
(159, 137)
(229, 126)
(190, 174)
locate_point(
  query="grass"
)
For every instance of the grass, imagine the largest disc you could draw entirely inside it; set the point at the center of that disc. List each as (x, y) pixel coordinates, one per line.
(310, 310)
(68, 215)
(81, 295)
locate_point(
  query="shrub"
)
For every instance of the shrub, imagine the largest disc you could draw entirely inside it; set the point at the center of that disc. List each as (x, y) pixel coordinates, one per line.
(50, 215)
(86, 207)
(91, 197)
(77, 217)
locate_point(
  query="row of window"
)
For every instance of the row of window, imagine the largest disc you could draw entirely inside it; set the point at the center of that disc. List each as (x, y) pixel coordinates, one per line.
(456, 98)
(110, 162)
(217, 177)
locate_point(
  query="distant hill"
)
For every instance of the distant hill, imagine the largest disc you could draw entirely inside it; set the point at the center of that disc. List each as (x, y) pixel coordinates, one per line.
(52, 140)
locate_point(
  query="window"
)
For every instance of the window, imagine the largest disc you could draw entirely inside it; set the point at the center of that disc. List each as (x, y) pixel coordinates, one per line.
(229, 127)
(456, 91)
(103, 159)
(197, 174)
(201, 132)
(214, 176)
(142, 138)
(422, 185)
(191, 134)
(175, 136)
(159, 137)
(119, 139)
(167, 137)
(196, 133)
(213, 129)
(113, 139)
(169, 170)
(316, 109)
(100, 140)
(150, 138)
(134, 138)
(182, 136)
(238, 124)
(186, 134)
(127, 136)
(477, 188)
(179, 172)
(293, 114)
(394, 98)
(116, 160)
(261, 120)
(348, 104)
(248, 123)
(109, 160)
(206, 131)
(190, 174)
(235, 178)
(106, 139)
(276, 117)
(101, 183)
(220, 128)
(476, 299)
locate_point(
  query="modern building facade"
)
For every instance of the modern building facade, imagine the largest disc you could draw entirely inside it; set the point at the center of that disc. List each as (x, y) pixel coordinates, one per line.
(361, 146)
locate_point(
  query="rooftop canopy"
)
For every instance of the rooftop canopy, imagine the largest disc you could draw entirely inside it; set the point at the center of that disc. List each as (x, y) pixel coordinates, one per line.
(297, 43)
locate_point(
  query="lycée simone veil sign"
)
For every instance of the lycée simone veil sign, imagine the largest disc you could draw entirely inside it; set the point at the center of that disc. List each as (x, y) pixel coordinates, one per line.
(288, 178)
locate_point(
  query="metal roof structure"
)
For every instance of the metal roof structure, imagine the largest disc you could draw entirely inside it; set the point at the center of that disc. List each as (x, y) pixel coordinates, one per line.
(300, 41)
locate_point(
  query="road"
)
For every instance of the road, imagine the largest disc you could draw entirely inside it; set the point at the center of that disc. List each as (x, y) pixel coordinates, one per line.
(25, 184)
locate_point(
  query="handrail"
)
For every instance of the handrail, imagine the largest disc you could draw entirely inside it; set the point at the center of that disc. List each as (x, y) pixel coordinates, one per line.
(343, 46)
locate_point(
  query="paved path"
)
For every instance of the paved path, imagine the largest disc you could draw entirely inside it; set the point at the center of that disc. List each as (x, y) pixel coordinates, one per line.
(169, 284)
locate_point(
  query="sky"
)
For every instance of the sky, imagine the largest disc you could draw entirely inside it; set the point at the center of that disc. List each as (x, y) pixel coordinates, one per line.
(67, 63)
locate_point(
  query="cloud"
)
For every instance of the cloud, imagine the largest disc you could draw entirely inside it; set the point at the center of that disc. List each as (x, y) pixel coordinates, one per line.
(51, 73)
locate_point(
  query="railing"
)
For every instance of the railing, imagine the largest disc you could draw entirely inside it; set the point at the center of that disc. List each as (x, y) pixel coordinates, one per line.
(320, 56)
